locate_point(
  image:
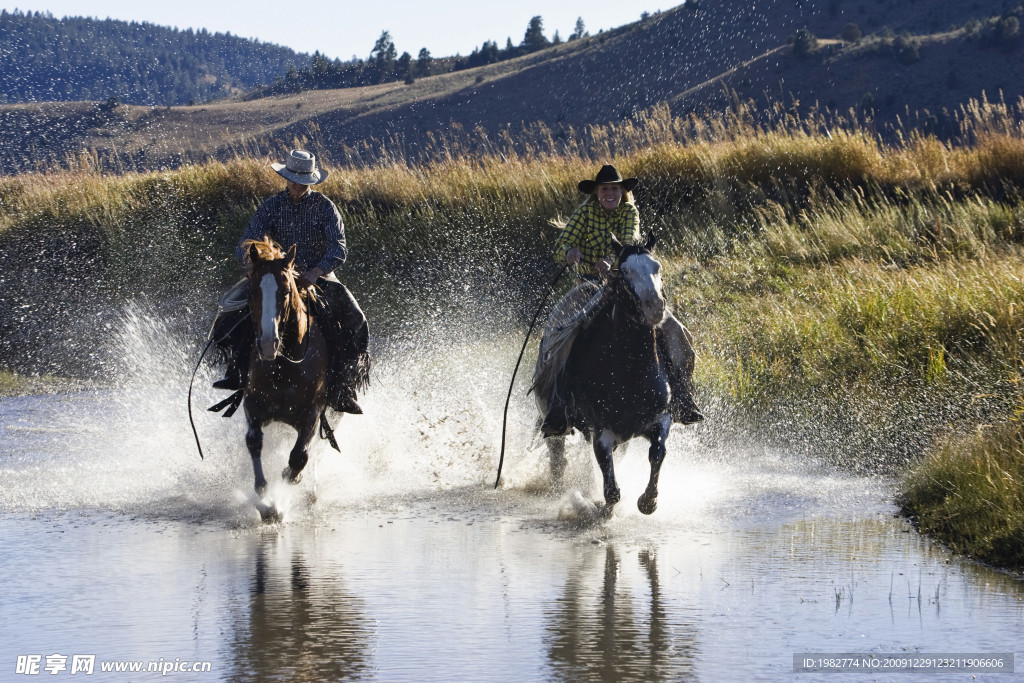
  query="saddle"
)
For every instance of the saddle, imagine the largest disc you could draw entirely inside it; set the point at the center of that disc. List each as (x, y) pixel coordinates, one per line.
(571, 316)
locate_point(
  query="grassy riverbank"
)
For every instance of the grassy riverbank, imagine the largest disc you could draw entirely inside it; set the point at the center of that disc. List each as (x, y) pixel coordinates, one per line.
(858, 297)
(969, 492)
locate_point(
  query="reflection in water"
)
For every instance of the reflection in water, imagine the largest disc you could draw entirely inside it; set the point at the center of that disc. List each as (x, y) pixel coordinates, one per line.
(407, 565)
(600, 631)
(298, 626)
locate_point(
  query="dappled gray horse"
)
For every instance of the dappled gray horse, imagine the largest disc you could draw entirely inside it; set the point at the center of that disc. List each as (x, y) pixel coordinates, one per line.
(615, 382)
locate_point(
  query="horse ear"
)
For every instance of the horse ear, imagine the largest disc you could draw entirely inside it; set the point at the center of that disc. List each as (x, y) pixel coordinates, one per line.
(652, 239)
(291, 254)
(254, 254)
(616, 247)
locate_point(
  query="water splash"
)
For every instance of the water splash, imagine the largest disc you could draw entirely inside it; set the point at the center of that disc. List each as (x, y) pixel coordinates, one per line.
(431, 420)
(432, 424)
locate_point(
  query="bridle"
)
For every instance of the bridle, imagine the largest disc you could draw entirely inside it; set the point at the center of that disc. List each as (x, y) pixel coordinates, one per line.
(297, 307)
(623, 289)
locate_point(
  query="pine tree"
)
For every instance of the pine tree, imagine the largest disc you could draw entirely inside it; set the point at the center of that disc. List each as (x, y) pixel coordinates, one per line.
(580, 31)
(423, 63)
(534, 38)
(382, 57)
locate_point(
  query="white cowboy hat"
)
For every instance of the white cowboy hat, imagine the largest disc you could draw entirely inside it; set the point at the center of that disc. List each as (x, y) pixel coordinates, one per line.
(301, 168)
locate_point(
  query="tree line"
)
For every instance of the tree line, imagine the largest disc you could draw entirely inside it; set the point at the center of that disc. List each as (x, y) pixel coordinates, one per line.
(385, 65)
(43, 58)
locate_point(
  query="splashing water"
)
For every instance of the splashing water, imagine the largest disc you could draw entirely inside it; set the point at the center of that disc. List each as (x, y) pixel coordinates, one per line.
(429, 423)
(432, 424)
(124, 543)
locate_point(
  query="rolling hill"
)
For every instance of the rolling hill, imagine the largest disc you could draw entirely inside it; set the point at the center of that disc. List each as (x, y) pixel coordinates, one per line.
(917, 55)
(43, 58)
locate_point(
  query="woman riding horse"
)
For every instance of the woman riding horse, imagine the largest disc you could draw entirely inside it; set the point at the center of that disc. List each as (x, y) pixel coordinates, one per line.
(585, 242)
(307, 219)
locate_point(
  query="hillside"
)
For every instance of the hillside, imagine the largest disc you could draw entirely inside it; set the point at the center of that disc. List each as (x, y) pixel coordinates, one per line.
(698, 56)
(43, 58)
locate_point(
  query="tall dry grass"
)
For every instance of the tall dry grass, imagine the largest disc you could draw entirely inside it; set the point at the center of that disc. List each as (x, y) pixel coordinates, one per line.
(840, 280)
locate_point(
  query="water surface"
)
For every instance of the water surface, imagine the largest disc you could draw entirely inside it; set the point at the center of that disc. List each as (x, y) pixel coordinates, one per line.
(397, 561)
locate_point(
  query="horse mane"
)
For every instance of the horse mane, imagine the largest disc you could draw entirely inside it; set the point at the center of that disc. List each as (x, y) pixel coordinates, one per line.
(632, 250)
(266, 250)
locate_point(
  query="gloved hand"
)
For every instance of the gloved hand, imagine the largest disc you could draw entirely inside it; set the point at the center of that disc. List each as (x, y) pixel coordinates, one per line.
(310, 277)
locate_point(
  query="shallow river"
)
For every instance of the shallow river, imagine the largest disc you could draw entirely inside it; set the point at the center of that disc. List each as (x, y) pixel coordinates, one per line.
(397, 561)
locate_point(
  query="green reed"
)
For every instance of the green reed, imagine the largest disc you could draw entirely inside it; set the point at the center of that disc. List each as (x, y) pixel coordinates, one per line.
(969, 492)
(809, 251)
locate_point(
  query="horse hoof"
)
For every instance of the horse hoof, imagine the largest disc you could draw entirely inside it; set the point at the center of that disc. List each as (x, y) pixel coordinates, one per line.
(612, 497)
(647, 505)
(269, 512)
(290, 476)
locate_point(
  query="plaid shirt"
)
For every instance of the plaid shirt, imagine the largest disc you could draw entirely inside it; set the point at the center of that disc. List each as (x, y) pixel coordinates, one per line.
(313, 224)
(590, 229)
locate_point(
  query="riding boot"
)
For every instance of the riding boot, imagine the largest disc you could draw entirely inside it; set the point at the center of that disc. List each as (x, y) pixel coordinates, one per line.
(234, 339)
(232, 379)
(675, 346)
(682, 407)
(556, 421)
(343, 400)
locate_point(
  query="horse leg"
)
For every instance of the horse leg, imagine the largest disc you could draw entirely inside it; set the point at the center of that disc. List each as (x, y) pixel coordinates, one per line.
(556, 453)
(299, 456)
(254, 442)
(604, 445)
(556, 456)
(648, 502)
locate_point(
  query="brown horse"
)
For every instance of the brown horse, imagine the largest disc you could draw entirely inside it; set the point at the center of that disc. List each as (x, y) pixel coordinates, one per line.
(288, 366)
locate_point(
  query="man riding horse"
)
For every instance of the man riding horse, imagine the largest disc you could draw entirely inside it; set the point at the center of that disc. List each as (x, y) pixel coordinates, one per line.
(307, 219)
(586, 242)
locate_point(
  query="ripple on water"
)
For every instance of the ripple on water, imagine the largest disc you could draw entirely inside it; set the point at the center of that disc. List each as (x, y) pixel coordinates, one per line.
(397, 558)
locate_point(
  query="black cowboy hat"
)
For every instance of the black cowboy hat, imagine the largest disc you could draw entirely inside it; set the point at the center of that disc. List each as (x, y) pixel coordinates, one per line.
(607, 174)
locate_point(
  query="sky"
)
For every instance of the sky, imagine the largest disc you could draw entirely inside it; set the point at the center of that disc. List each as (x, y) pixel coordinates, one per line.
(346, 29)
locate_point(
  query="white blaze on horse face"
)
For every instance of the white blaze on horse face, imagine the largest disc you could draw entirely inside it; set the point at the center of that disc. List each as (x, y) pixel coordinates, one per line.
(643, 272)
(268, 317)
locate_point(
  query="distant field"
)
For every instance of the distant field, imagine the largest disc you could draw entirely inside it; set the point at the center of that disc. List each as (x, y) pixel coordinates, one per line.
(904, 66)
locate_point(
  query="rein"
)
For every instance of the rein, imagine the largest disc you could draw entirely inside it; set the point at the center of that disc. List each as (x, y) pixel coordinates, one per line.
(504, 419)
(202, 355)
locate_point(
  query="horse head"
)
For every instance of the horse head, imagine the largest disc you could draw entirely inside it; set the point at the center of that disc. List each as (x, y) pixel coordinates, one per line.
(274, 296)
(640, 277)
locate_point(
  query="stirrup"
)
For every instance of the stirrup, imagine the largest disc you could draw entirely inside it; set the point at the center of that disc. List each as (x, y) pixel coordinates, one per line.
(231, 382)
